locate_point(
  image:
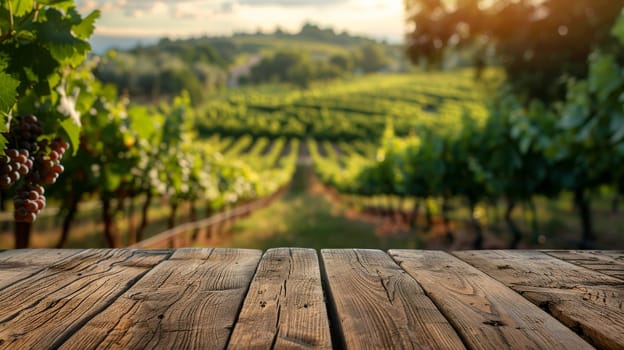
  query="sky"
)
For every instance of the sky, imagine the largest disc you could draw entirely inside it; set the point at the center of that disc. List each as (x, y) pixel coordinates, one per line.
(381, 19)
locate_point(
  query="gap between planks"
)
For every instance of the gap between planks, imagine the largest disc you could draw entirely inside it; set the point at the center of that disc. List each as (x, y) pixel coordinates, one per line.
(610, 263)
(587, 301)
(194, 305)
(72, 290)
(485, 313)
(376, 305)
(386, 278)
(285, 306)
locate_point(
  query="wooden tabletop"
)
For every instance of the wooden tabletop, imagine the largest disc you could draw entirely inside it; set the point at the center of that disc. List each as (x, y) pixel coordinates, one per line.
(288, 298)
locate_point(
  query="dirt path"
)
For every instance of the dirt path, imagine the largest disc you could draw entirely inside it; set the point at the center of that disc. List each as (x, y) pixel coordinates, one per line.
(306, 217)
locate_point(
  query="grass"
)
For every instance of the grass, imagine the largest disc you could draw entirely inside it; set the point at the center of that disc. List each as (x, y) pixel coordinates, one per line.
(305, 217)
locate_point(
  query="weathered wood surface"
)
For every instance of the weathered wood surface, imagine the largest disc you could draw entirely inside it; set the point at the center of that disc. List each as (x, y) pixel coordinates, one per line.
(188, 301)
(45, 309)
(589, 302)
(486, 313)
(287, 299)
(378, 306)
(610, 263)
(285, 307)
(19, 264)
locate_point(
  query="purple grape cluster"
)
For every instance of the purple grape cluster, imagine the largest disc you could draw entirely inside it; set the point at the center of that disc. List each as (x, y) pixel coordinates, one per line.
(36, 161)
(28, 202)
(47, 166)
(13, 166)
(24, 132)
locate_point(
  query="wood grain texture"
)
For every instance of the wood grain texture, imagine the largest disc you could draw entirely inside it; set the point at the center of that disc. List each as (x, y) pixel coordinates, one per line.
(16, 265)
(187, 302)
(41, 311)
(376, 305)
(285, 307)
(486, 313)
(588, 302)
(608, 262)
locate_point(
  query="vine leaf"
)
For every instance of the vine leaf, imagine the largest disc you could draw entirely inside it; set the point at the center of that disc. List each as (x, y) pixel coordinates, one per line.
(56, 33)
(73, 133)
(22, 7)
(603, 71)
(85, 29)
(618, 29)
(8, 92)
(8, 96)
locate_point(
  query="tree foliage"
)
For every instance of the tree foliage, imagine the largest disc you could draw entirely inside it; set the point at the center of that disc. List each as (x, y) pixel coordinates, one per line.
(151, 75)
(537, 42)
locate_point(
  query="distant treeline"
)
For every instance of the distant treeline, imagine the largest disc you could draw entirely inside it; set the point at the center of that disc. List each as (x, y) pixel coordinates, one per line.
(299, 68)
(202, 65)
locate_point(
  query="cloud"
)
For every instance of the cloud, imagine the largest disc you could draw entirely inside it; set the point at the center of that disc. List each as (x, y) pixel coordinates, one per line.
(191, 8)
(291, 3)
(133, 8)
(87, 6)
(227, 7)
(222, 17)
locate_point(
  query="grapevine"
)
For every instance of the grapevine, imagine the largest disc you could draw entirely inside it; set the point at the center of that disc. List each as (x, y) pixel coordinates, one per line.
(41, 42)
(522, 150)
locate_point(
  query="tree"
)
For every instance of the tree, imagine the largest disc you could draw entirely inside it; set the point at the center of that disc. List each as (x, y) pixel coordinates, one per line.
(536, 42)
(372, 58)
(341, 61)
(276, 66)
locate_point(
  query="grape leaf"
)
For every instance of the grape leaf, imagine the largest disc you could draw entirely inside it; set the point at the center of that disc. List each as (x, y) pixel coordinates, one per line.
(85, 29)
(617, 128)
(55, 2)
(56, 35)
(33, 64)
(73, 133)
(5, 22)
(110, 180)
(8, 96)
(25, 35)
(144, 123)
(3, 142)
(525, 144)
(4, 127)
(618, 29)
(8, 92)
(22, 7)
(604, 75)
(573, 117)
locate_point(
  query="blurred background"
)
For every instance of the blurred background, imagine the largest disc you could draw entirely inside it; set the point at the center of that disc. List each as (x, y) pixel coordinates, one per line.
(424, 124)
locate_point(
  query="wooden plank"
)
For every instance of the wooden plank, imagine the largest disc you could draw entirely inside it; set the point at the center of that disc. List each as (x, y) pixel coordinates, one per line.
(486, 313)
(41, 311)
(376, 305)
(187, 302)
(285, 307)
(608, 262)
(16, 265)
(588, 302)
